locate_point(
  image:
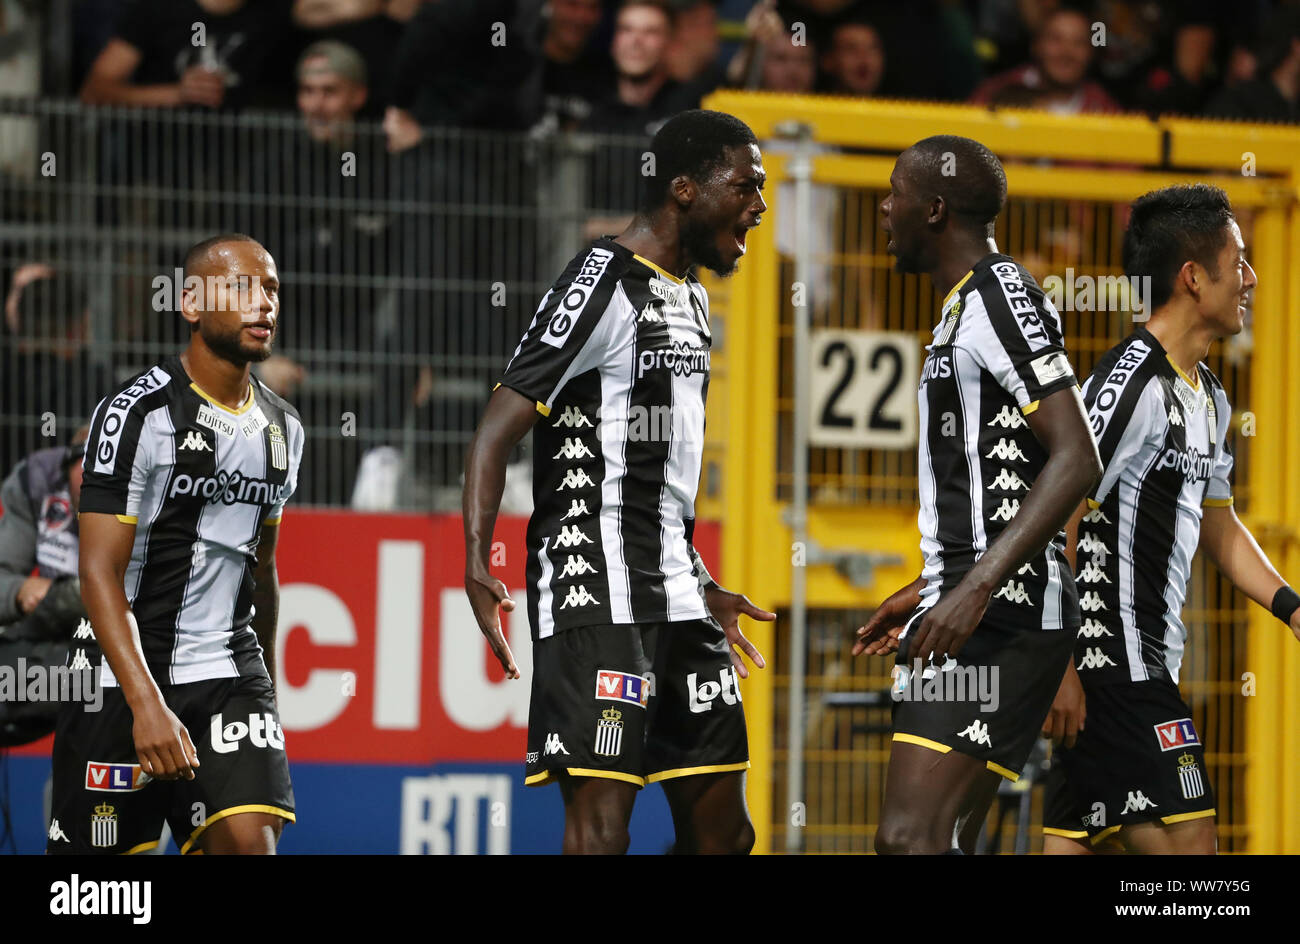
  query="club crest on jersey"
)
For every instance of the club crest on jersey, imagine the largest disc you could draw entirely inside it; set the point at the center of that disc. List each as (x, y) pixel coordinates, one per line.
(609, 733)
(576, 295)
(622, 686)
(1175, 734)
(115, 778)
(279, 449)
(213, 420)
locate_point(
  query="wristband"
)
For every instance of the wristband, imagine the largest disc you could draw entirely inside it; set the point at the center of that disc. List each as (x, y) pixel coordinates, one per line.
(1285, 602)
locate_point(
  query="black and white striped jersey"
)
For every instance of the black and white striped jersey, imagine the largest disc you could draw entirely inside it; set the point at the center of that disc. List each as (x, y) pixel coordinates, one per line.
(198, 481)
(997, 352)
(617, 361)
(1163, 442)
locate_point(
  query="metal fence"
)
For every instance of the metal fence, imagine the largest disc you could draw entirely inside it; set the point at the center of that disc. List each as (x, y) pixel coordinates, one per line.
(407, 277)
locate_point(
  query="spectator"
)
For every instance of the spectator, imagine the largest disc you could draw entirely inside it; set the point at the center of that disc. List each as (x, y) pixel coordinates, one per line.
(1274, 94)
(854, 61)
(695, 52)
(1057, 77)
(159, 57)
(332, 90)
(368, 26)
(645, 96)
(773, 58)
(1185, 85)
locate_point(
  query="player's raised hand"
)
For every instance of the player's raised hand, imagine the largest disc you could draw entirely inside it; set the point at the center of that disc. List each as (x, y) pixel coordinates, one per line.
(727, 608)
(950, 622)
(1069, 709)
(488, 596)
(162, 743)
(880, 635)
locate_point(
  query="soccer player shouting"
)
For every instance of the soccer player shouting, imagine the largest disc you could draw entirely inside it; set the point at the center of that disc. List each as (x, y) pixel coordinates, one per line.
(1005, 457)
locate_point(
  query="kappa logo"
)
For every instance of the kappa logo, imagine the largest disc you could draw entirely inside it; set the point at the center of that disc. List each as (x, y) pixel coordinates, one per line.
(1008, 481)
(56, 832)
(575, 478)
(1007, 449)
(1027, 569)
(577, 507)
(1175, 418)
(571, 536)
(575, 297)
(1137, 802)
(577, 566)
(1091, 544)
(700, 697)
(1013, 591)
(1008, 418)
(1189, 777)
(84, 630)
(1096, 516)
(1007, 510)
(648, 313)
(1092, 629)
(79, 661)
(573, 449)
(1175, 734)
(578, 596)
(1091, 602)
(571, 418)
(1092, 573)
(1094, 658)
(978, 732)
(195, 442)
(115, 778)
(261, 729)
(553, 745)
(622, 686)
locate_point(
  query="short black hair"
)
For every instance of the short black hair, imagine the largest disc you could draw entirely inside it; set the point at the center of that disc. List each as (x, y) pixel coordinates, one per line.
(693, 144)
(1171, 226)
(964, 172)
(200, 249)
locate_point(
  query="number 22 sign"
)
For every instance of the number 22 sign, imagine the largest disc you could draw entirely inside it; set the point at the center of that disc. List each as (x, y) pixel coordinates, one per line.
(863, 389)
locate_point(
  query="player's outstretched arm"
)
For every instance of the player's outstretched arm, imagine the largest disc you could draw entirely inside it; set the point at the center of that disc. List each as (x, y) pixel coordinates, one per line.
(509, 416)
(266, 596)
(1234, 550)
(727, 607)
(163, 745)
(1073, 467)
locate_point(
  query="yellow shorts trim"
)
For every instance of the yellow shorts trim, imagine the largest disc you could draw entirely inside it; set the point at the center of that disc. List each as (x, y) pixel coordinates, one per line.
(1004, 771)
(923, 742)
(546, 776)
(231, 811)
(1184, 817)
(1105, 834)
(1218, 502)
(1065, 833)
(143, 847)
(128, 519)
(692, 771)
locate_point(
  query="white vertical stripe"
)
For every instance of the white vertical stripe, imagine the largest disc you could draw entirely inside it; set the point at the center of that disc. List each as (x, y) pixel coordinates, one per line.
(681, 477)
(1126, 528)
(616, 397)
(545, 599)
(967, 375)
(1052, 591)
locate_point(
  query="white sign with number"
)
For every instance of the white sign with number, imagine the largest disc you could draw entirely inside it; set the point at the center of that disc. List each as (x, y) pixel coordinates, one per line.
(863, 389)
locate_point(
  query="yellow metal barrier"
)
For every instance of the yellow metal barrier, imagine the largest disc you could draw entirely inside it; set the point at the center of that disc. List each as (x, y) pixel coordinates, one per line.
(1061, 215)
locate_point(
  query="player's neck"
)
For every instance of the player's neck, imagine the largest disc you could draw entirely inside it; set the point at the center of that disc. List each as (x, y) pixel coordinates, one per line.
(650, 239)
(220, 379)
(1186, 342)
(956, 259)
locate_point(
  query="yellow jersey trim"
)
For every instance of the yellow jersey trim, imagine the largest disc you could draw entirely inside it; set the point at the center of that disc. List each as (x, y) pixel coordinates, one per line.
(247, 404)
(664, 272)
(1030, 407)
(1218, 502)
(128, 519)
(231, 811)
(542, 408)
(1194, 384)
(1065, 833)
(953, 291)
(1184, 817)
(272, 521)
(1093, 503)
(922, 742)
(692, 771)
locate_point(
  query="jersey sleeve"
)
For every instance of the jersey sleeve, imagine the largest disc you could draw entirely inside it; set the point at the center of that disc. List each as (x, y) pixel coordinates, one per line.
(1121, 422)
(569, 332)
(119, 457)
(1013, 331)
(297, 439)
(1218, 491)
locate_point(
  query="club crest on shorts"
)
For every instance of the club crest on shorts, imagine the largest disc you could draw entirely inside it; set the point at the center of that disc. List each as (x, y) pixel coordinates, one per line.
(103, 827)
(609, 733)
(1189, 776)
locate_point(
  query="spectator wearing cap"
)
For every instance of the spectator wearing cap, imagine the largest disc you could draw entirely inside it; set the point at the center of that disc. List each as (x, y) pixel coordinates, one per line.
(1057, 77)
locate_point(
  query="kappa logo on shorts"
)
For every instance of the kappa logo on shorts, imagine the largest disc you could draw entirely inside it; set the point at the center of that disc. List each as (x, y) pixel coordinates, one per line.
(700, 697)
(978, 732)
(56, 832)
(1137, 802)
(115, 778)
(262, 730)
(622, 686)
(1175, 734)
(553, 745)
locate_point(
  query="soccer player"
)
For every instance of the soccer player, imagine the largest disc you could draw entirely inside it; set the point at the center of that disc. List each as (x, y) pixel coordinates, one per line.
(1134, 776)
(634, 670)
(1005, 457)
(187, 470)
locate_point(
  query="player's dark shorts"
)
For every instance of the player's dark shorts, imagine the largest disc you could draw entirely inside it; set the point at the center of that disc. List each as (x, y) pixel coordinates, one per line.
(991, 702)
(104, 804)
(635, 702)
(1138, 759)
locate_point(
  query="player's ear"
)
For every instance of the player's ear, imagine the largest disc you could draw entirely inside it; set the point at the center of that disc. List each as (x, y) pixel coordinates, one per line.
(190, 303)
(938, 211)
(684, 191)
(1192, 277)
